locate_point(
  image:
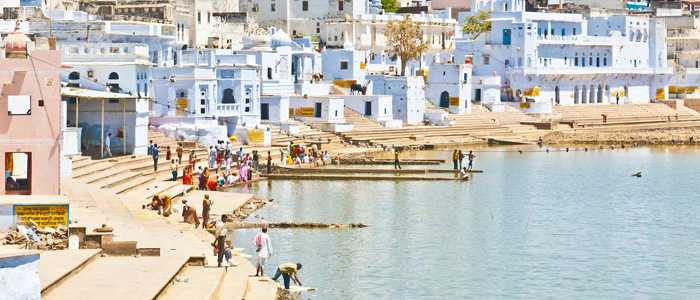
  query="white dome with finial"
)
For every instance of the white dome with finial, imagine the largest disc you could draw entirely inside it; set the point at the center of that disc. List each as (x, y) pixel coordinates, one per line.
(281, 39)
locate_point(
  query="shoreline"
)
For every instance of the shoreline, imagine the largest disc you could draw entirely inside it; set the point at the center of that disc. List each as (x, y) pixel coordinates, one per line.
(656, 136)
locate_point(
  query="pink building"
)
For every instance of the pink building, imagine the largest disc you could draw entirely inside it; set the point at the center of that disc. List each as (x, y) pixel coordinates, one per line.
(463, 5)
(30, 116)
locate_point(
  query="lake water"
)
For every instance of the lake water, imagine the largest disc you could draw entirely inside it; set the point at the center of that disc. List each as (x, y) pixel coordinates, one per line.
(536, 225)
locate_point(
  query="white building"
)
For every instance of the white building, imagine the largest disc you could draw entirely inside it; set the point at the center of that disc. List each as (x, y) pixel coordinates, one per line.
(549, 58)
(366, 33)
(212, 83)
(301, 17)
(449, 86)
(408, 95)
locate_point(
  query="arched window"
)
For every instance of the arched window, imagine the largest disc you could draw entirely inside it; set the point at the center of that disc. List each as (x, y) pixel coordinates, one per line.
(113, 76)
(248, 97)
(228, 97)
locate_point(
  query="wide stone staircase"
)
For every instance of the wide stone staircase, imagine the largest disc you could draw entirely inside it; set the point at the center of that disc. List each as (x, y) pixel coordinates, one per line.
(112, 191)
(360, 122)
(478, 126)
(280, 137)
(622, 115)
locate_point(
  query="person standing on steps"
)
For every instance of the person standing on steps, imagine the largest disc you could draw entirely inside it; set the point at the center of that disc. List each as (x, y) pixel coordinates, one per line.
(460, 158)
(220, 234)
(173, 168)
(263, 249)
(288, 271)
(155, 152)
(269, 162)
(150, 147)
(168, 155)
(206, 208)
(179, 152)
(455, 157)
(212, 156)
(397, 163)
(617, 98)
(106, 145)
(471, 160)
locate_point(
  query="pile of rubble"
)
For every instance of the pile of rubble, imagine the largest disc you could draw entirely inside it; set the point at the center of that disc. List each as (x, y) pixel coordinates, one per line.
(37, 238)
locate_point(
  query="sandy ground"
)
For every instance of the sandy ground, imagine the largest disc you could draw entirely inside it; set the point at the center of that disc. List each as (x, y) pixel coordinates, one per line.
(681, 135)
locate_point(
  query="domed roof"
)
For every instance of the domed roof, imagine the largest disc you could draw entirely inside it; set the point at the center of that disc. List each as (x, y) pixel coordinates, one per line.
(16, 41)
(281, 39)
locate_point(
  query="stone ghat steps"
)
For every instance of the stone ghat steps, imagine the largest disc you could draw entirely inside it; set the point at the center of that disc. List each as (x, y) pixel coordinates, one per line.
(641, 111)
(361, 122)
(203, 283)
(280, 136)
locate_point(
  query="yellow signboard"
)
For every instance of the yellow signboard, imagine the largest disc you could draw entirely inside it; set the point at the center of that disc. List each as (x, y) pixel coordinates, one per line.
(362, 66)
(307, 112)
(344, 83)
(660, 94)
(454, 101)
(42, 215)
(524, 104)
(256, 135)
(532, 92)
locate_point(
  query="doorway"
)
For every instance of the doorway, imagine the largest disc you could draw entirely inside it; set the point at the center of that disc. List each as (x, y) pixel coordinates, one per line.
(317, 110)
(368, 108)
(265, 111)
(18, 173)
(477, 95)
(445, 99)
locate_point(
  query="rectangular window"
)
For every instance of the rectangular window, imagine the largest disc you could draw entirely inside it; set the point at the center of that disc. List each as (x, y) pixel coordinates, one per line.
(590, 61)
(305, 5)
(199, 17)
(605, 61)
(272, 7)
(552, 31)
(19, 105)
(318, 30)
(256, 8)
(487, 59)
(574, 31)
(563, 31)
(209, 18)
(576, 61)
(343, 65)
(341, 5)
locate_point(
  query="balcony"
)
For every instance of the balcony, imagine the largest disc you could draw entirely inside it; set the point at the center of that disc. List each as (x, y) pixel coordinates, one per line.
(228, 110)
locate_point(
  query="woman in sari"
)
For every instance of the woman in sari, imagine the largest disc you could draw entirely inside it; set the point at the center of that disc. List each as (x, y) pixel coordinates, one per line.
(187, 176)
(189, 213)
(167, 205)
(244, 172)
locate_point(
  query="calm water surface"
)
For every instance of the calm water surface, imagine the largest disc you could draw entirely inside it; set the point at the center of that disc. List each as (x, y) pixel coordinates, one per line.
(534, 226)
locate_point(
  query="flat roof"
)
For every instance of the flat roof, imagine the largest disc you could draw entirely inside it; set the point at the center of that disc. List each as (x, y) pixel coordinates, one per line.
(92, 94)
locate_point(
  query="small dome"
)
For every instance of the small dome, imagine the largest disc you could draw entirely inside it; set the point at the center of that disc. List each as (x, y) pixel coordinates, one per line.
(16, 41)
(281, 39)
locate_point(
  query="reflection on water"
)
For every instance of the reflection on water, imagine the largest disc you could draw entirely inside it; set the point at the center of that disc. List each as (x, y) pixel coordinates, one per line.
(534, 225)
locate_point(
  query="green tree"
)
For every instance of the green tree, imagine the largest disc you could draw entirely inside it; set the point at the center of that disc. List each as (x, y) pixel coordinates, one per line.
(390, 6)
(405, 39)
(475, 25)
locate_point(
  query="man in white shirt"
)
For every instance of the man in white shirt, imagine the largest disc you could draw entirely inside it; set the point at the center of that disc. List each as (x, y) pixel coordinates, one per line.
(220, 234)
(107, 143)
(264, 250)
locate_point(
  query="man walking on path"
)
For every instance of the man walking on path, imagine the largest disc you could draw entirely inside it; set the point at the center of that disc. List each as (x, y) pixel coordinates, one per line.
(155, 152)
(460, 158)
(455, 157)
(397, 163)
(288, 271)
(220, 234)
(263, 249)
(471, 160)
(107, 143)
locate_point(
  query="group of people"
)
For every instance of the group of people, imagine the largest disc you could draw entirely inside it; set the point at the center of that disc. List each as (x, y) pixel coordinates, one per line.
(263, 251)
(298, 155)
(457, 158)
